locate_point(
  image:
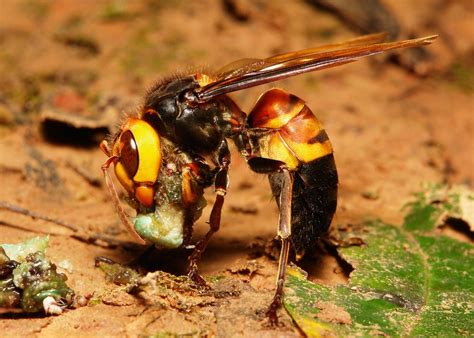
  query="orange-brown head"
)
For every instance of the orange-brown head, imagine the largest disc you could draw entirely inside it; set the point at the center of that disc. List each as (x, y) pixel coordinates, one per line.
(136, 154)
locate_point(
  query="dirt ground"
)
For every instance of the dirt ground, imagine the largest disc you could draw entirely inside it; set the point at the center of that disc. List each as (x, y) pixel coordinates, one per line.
(90, 61)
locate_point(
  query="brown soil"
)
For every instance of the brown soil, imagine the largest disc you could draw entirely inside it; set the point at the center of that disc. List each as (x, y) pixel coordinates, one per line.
(391, 131)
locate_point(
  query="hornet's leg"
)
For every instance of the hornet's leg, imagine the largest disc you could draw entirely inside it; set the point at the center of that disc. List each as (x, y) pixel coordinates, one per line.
(266, 166)
(221, 183)
(284, 233)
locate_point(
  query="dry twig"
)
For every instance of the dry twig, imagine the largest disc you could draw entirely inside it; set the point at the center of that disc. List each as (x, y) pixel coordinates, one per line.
(23, 211)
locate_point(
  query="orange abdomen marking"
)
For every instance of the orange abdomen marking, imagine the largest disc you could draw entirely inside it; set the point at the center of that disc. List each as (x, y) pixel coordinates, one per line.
(295, 135)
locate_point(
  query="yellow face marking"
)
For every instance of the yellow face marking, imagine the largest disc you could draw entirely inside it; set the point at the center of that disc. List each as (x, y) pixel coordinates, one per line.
(145, 195)
(149, 150)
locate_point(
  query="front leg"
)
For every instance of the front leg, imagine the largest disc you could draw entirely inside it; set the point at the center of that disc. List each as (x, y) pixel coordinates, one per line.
(221, 182)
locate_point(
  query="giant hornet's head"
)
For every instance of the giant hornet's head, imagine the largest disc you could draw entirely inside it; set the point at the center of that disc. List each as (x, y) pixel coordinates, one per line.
(136, 154)
(167, 198)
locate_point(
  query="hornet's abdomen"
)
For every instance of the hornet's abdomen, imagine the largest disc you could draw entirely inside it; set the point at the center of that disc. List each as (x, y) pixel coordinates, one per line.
(294, 135)
(283, 128)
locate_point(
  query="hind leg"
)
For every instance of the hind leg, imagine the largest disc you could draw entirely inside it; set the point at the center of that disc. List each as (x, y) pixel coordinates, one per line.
(263, 165)
(284, 233)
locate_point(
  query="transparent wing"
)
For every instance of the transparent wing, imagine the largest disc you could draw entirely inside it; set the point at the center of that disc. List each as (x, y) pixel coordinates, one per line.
(240, 66)
(253, 72)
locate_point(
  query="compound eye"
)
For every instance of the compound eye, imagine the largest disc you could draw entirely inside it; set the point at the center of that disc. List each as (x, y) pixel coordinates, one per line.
(129, 153)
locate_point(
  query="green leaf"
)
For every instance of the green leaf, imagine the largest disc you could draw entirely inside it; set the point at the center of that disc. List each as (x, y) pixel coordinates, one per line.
(407, 281)
(437, 203)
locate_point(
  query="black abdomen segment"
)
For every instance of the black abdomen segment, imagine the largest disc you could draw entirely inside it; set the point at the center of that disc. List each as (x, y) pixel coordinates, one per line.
(314, 201)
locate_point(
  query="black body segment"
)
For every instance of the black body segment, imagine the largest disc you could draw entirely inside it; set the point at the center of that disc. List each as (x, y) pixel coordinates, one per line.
(314, 201)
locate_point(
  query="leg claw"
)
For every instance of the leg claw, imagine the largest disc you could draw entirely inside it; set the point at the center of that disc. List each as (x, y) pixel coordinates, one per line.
(197, 279)
(272, 312)
(272, 318)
